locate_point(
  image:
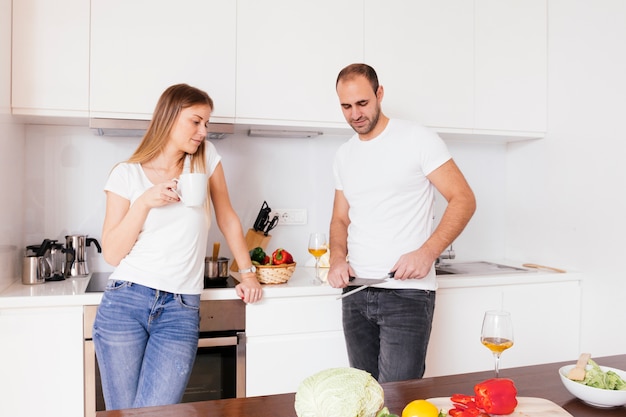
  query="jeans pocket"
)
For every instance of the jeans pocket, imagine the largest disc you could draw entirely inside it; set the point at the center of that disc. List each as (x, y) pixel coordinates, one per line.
(191, 301)
(113, 285)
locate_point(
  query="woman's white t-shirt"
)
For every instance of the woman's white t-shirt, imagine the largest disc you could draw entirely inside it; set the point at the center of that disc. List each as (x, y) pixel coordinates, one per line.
(391, 201)
(170, 249)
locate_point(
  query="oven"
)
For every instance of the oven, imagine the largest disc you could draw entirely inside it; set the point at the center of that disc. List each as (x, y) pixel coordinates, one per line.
(219, 370)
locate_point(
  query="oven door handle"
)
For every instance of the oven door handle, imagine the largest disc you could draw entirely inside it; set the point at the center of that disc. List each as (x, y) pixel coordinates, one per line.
(217, 341)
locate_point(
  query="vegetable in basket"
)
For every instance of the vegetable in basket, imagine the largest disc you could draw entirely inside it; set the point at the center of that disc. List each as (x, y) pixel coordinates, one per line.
(281, 256)
(259, 257)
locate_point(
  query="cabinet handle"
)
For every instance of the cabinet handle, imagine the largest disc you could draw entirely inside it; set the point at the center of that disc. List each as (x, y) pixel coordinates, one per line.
(217, 341)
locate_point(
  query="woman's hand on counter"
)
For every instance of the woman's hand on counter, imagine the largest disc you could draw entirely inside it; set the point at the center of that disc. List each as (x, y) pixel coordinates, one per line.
(249, 289)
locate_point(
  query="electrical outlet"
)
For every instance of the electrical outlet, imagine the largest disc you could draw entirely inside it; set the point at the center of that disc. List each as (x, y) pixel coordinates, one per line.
(290, 216)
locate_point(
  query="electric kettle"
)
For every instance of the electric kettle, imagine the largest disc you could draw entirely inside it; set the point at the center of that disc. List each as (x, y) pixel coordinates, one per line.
(75, 255)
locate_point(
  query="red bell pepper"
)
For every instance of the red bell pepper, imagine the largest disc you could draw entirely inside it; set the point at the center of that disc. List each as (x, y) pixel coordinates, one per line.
(465, 406)
(493, 396)
(281, 256)
(496, 396)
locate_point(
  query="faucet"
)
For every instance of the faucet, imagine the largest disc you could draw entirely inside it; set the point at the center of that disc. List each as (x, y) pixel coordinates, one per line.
(446, 254)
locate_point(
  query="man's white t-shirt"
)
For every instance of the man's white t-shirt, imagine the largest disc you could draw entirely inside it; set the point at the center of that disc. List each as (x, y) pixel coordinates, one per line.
(391, 201)
(170, 249)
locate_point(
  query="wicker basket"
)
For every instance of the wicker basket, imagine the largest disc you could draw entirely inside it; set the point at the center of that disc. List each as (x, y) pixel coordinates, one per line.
(274, 274)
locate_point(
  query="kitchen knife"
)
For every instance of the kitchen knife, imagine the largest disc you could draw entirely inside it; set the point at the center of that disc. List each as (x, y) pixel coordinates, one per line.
(272, 224)
(364, 283)
(263, 218)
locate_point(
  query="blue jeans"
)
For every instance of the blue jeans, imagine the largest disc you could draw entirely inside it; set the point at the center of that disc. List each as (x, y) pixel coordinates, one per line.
(146, 342)
(387, 331)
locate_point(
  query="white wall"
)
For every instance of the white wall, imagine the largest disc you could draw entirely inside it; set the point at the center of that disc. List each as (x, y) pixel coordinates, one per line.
(566, 199)
(11, 157)
(68, 165)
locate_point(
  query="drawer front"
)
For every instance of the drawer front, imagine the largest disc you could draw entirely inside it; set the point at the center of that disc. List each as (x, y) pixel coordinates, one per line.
(294, 315)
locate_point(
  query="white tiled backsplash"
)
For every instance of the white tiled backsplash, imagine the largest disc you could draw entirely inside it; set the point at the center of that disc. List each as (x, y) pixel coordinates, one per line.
(66, 168)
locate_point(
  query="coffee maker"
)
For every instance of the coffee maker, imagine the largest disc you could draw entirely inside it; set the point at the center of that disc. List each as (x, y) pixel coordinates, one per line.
(75, 255)
(51, 265)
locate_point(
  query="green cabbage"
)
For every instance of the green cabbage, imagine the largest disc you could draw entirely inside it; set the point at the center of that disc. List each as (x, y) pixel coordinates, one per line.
(339, 392)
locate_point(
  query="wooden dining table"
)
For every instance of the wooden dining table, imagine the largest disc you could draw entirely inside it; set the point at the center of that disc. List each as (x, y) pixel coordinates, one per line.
(540, 381)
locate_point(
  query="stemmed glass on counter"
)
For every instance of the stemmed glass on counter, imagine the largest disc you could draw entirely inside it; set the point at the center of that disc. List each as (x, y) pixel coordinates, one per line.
(317, 247)
(497, 334)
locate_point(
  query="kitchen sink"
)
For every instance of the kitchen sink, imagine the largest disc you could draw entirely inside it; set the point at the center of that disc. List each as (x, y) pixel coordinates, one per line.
(478, 268)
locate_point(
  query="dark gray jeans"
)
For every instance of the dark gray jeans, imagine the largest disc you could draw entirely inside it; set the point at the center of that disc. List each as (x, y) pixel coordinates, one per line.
(387, 331)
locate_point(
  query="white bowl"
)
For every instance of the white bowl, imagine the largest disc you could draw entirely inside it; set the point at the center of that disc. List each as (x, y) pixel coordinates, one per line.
(597, 397)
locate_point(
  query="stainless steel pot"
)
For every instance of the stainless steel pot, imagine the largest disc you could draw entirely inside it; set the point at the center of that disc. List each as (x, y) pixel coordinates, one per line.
(216, 269)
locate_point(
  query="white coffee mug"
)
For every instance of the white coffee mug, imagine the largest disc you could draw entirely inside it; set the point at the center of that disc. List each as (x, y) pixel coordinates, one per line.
(191, 188)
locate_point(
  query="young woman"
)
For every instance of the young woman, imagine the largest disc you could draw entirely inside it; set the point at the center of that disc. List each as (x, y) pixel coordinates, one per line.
(146, 329)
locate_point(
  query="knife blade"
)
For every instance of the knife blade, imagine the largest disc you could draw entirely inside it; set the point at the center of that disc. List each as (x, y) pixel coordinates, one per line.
(364, 283)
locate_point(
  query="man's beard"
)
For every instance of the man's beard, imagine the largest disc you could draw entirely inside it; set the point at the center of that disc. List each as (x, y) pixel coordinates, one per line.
(367, 128)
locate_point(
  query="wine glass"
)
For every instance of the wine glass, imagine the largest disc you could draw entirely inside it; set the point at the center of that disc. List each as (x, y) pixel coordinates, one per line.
(317, 247)
(497, 334)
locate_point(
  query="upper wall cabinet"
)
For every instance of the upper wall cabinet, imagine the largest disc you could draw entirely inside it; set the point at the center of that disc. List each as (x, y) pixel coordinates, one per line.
(460, 66)
(50, 62)
(511, 65)
(139, 48)
(423, 54)
(288, 56)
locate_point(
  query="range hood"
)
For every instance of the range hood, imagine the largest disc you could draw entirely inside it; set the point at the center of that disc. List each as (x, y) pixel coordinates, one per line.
(136, 128)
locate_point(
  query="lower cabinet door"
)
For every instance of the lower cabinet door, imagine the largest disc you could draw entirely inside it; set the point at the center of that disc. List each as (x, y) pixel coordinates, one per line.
(41, 362)
(277, 364)
(538, 311)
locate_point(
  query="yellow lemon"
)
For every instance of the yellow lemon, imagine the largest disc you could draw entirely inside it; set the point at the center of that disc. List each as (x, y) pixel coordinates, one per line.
(420, 408)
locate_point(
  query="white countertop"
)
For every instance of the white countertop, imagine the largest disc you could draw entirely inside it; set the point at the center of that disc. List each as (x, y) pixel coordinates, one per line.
(71, 292)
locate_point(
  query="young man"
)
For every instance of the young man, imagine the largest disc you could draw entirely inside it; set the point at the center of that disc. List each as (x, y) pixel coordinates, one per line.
(385, 181)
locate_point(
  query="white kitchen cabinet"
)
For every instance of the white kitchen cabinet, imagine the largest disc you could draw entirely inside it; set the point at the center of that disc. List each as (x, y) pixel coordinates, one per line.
(140, 48)
(288, 57)
(41, 357)
(511, 65)
(462, 67)
(289, 339)
(423, 54)
(539, 312)
(50, 58)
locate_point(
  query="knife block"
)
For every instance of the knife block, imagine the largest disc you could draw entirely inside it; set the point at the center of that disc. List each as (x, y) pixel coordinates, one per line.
(254, 239)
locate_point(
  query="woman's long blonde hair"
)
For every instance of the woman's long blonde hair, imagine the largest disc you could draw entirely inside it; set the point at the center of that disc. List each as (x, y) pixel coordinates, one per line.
(168, 108)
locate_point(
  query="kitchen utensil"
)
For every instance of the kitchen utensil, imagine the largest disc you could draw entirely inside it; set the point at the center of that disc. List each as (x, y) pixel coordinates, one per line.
(526, 406)
(216, 250)
(272, 224)
(597, 397)
(258, 236)
(549, 268)
(75, 255)
(263, 218)
(56, 256)
(215, 269)
(364, 283)
(275, 274)
(43, 251)
(578, 372)
(192, 188)
(33, 270)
